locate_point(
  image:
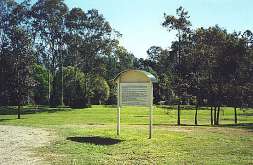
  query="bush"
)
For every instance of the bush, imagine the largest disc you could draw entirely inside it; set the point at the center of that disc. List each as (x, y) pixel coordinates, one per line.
(100, 90)
(40, 91)
(73, 87)
(112, 99)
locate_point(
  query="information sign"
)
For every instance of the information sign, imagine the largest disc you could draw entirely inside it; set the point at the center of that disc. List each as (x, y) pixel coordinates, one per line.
(135, 94)
(135, 88)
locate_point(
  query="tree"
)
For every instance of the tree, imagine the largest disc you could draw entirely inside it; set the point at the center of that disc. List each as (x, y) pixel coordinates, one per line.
(181, 25)
(48, 24)
(74, 87)
(161, 61)
(6, 67)
(20, 48)
(96, 40)
(55, 37)
(100, 90)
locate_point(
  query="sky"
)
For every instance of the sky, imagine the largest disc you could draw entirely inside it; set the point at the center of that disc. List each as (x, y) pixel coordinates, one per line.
(139, 21)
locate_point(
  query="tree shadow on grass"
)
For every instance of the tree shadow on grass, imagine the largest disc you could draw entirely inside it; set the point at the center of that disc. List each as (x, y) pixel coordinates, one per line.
(3, 120)
(12, 110)
(97, 140)
(141, 116)
(246, 114)
(173, 125)
(110, 106)
(248, 126)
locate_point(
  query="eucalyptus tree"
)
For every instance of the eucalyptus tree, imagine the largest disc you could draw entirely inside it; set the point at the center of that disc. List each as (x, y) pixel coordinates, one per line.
(96, 42)
(6, 8)
(74, 22)
(88, 38)
(22, 80)
(48, 23)
(19, 54)
(181, 24)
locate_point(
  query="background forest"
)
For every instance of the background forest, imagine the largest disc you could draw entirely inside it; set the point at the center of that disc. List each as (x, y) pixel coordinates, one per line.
(53, 55)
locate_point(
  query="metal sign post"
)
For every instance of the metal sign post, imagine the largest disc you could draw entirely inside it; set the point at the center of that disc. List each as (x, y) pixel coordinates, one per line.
(151, 111)
(135, 88)
(118, 110)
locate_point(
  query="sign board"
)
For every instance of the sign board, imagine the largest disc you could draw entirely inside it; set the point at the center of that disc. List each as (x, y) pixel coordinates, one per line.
(135, 88)
(135, 94)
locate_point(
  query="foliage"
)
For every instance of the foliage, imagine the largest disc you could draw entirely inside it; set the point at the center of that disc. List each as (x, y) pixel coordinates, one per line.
(16, 54)
(38, 40)
(40, 91)
(74, 84)
(210, 64)
(100, 91)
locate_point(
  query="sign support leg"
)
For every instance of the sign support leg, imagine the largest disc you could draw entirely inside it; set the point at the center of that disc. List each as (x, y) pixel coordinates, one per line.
(118, 120)
(118, 109)
(150, 121)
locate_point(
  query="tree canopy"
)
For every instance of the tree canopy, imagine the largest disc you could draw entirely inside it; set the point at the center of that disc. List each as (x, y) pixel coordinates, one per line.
(50, 54)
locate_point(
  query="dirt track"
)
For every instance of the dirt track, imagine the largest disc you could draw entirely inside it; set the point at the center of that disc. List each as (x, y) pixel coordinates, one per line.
(17, 145)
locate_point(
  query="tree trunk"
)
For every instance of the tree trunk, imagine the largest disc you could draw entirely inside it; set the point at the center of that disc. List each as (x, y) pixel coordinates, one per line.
(218, 116)
(19, 111)
(49, 80)
(49, 87)
(179, 47)
(62, 91)
(178, 114)
(19, 91)
(235, 116)
(211, 115)
(215, 119)
(196, 115)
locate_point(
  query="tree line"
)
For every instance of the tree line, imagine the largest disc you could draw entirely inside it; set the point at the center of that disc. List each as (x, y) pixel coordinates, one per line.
(206, 66)
(53, 55)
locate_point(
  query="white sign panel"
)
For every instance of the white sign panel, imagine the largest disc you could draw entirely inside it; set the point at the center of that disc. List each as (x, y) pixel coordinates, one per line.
(135, 94)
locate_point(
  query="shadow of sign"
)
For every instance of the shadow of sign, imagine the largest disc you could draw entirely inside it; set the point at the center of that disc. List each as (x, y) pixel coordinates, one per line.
(97, 140)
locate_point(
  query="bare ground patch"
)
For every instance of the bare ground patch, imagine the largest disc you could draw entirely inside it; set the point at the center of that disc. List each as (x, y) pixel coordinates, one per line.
(17, 145)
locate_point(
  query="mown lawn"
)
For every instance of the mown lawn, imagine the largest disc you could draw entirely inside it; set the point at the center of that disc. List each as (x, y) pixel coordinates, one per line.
(187, 144)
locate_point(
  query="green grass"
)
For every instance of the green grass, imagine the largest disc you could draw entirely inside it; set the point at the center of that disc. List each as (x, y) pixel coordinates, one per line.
(187, 144)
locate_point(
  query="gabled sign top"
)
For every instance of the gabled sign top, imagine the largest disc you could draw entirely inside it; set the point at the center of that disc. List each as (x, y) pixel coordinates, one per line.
(135, 76)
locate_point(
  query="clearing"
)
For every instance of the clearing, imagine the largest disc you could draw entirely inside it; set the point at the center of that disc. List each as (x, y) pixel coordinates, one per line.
(88, 136)
(17, 144)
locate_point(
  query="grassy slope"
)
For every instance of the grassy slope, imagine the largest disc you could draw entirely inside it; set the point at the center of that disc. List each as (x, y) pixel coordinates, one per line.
(169, 145)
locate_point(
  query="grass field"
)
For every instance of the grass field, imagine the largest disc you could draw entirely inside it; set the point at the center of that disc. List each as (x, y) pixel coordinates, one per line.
(187, 144)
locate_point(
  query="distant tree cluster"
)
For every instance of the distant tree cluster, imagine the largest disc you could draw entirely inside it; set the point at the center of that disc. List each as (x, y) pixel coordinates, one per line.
(56, 56)
(207, 66)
